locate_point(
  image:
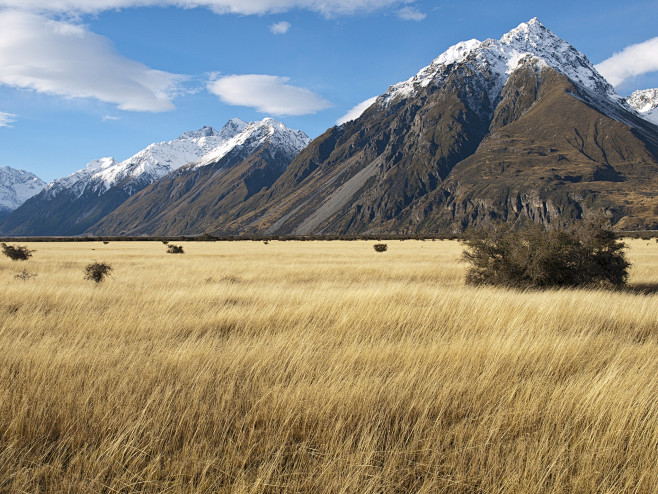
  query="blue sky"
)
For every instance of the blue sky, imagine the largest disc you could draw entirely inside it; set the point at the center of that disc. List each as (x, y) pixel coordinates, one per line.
(84, 79)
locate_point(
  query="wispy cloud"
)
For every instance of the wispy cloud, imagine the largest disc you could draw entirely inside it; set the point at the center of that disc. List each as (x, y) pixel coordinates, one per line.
(268, 94)
(280, 27)
(632, 61)
(357, 111)
(68, 60)
(6, 119)
(110, 118)
(411, 14)
(245, 7)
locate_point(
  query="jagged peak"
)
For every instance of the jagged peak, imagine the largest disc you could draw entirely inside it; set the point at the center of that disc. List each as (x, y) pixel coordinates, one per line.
(17, 186)
(526, 31)
(257, 133)
(644, 100)
(205, 131)
(499, 58)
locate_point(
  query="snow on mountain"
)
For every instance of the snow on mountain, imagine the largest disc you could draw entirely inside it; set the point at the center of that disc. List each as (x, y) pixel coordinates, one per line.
(646, 103)
(254, 134)
(500, 58)
(16, 187)
(148, 165)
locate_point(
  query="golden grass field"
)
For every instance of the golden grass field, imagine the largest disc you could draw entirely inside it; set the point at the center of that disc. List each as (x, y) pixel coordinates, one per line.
(320, 367)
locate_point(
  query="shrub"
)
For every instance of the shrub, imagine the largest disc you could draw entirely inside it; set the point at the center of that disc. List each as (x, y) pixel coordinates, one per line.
(105, 242)
(97, 271)
(585, 254)
(165, 242)
(381, 247)
(16, 253)
(175, 249)
(24, 275)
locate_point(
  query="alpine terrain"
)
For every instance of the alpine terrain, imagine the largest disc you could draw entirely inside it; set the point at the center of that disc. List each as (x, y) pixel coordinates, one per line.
(187, 200)
(645, 102)
(518, 129)
(16, 187)
(74, 204)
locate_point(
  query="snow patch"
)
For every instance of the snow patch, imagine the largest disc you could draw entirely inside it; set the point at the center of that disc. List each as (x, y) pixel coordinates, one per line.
(17, 186)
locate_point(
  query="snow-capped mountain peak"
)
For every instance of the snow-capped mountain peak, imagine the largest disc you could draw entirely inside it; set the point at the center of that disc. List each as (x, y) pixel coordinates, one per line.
(254, 134)
(645, 101)
(16, 187)
(500, 58)
(148, 165)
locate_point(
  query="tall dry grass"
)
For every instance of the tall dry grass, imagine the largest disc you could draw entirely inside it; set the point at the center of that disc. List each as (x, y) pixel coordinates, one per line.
(320, 367)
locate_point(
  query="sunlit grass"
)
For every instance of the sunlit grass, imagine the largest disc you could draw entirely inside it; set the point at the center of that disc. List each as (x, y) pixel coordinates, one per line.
(320, 367)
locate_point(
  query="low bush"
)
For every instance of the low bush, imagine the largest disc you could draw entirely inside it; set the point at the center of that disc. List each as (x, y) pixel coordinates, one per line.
(175, 249)
(380, 247)
(97, 271)
(24, 276)
(16, 253)
(585, 254)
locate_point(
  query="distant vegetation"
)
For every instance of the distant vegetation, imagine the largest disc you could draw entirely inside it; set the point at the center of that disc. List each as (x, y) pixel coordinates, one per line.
(97, 271)
(175, 249)
(381, 247)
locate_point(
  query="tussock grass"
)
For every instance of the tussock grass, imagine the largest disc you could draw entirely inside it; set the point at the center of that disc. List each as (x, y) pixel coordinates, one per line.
(321, 367)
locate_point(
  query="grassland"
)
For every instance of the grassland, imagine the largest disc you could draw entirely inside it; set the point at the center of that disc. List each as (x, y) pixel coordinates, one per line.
(320, 367)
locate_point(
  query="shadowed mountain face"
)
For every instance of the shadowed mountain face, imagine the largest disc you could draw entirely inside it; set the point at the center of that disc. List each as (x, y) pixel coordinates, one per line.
(472, 144)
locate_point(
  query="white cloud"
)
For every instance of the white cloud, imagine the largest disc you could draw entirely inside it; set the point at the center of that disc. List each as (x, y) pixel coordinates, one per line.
(6, 119)
(268, 94)
(357, 111)
(68, 60)
(245, 7)
(632, 61)
(110, 118)
(411, 14)
(280, 27)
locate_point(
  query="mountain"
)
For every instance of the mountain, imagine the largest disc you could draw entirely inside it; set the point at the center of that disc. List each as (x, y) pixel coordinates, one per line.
(16, 187)
(71, 205)
(646, 103)
(520, 129)
(187, 200)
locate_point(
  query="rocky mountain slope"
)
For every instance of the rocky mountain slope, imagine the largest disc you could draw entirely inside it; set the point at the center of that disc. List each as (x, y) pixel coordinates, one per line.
(521, 129)
(16, 187)
(186, 201)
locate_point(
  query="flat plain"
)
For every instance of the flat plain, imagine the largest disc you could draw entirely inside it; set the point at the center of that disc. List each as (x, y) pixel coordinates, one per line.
(320, 367)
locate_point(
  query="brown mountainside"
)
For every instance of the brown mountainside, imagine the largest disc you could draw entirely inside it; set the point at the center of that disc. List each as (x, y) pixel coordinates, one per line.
(548, 150)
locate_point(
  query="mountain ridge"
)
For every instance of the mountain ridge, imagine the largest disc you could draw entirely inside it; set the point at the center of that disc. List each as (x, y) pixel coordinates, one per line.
(73, 204)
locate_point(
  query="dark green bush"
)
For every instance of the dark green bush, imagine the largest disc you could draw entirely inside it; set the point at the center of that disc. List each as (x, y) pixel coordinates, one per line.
(380, 247)
(585, 254)
(175, 249)
(97, 271)
(15, 252)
